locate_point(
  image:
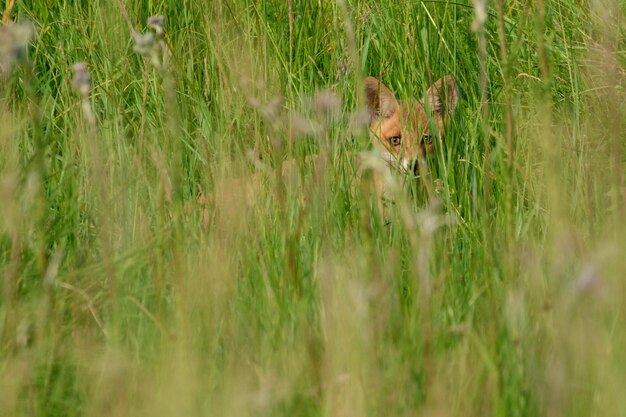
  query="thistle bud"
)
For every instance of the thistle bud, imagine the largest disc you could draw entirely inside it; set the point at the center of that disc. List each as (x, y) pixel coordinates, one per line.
(14, 41)
(82, 80)
(157, 23)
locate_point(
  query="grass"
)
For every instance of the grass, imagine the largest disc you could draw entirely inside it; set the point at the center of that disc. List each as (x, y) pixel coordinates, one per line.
(496, 288)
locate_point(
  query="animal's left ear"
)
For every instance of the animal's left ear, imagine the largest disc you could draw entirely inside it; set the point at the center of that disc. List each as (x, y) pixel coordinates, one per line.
(442, 97)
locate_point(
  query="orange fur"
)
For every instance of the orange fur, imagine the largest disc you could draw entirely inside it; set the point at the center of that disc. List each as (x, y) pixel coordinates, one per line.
(402, 134)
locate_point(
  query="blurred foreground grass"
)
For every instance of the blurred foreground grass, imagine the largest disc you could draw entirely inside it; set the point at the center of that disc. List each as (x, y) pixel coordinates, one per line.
(497, 288)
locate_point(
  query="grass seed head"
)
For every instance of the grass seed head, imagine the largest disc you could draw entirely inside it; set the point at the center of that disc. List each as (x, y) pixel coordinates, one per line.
(147, 45)
(144, 43)
(480, 17)
(301, 126)
(326, 106)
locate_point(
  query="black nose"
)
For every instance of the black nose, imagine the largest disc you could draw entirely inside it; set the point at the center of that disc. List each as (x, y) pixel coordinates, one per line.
(415, 167)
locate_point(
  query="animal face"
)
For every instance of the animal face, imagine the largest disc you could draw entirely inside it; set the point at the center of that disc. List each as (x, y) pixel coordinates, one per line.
(401, 131)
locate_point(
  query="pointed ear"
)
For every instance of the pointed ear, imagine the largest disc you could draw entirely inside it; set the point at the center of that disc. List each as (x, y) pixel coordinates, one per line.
(442, 97)
(381, 103)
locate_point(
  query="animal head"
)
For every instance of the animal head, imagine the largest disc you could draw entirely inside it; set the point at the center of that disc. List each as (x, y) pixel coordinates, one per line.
(401, 130)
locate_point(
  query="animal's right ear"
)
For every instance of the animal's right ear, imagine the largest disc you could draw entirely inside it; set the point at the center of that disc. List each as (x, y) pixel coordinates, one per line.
(381, 103)
(443, 96)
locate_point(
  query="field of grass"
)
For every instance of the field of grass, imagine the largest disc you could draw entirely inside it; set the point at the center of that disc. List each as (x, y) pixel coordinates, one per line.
(131, 287)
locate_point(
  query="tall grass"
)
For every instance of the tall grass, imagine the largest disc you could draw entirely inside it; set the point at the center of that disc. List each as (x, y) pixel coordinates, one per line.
(136, 280)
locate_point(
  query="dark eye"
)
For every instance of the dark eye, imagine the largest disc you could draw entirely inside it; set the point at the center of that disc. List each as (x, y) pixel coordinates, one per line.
(427, 139)
(395, 140)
